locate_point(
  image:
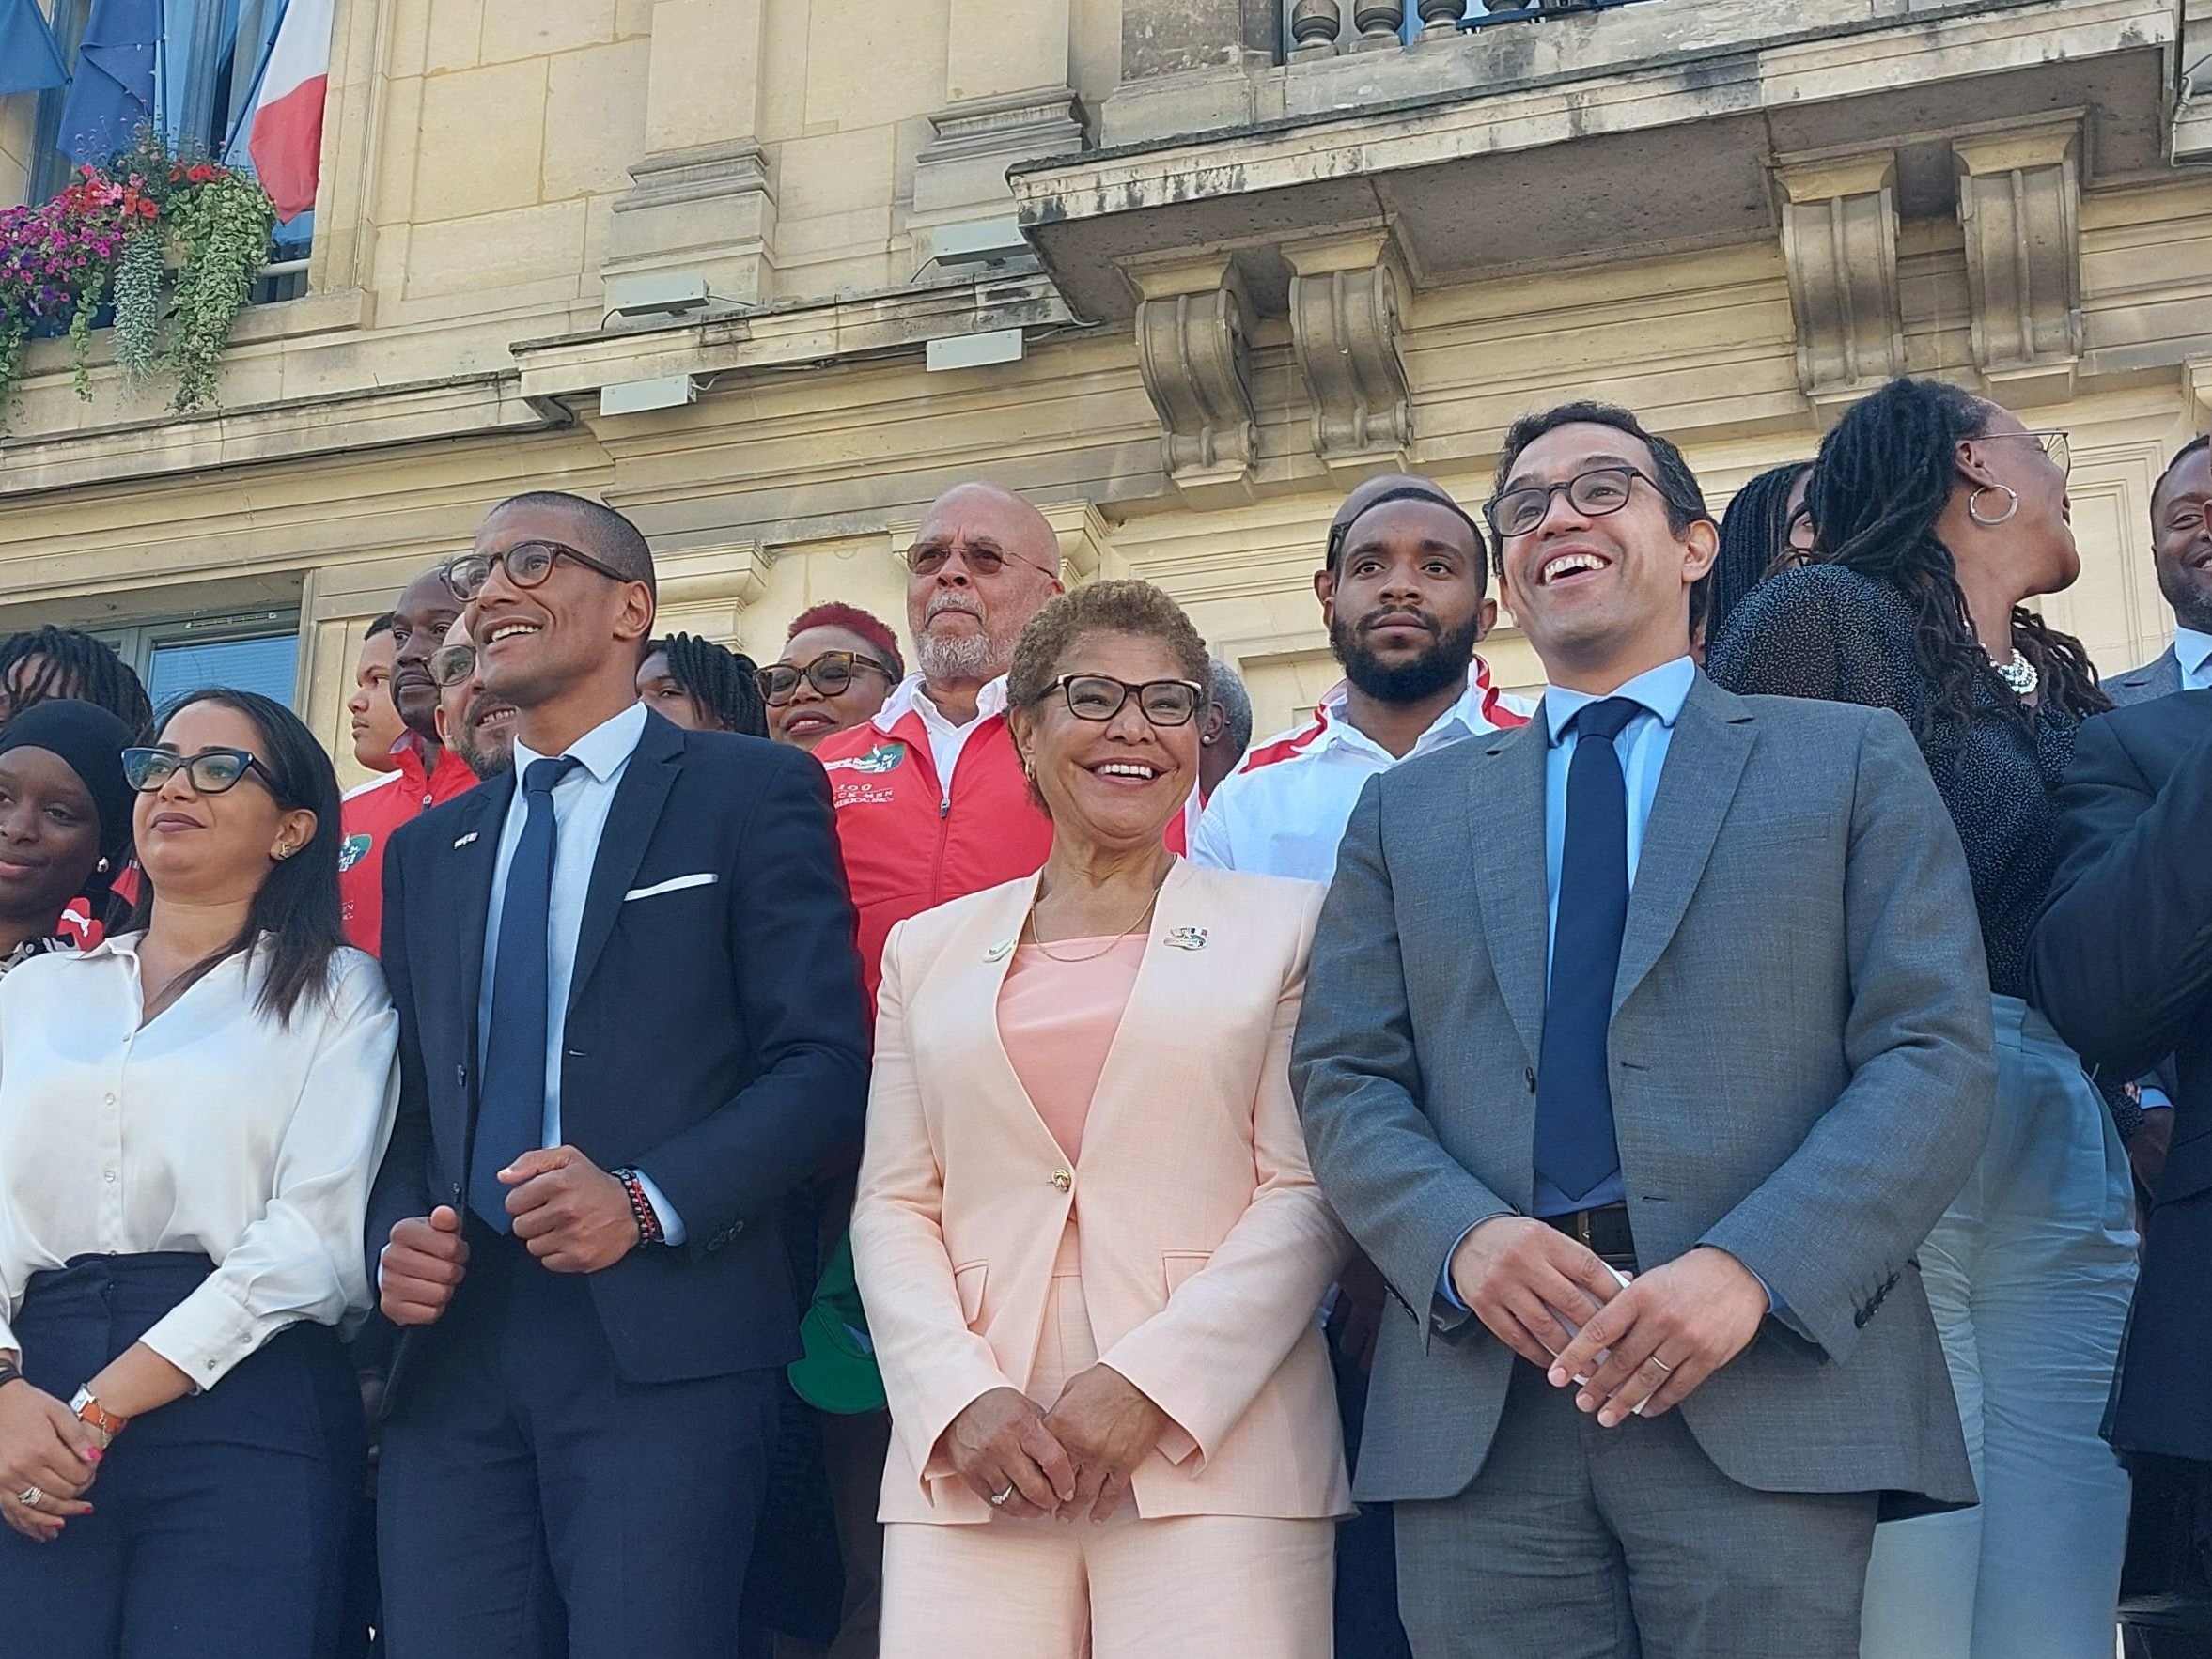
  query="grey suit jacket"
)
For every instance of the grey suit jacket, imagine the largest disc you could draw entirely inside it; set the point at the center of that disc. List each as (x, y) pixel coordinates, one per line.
(2158, 677)
(1802, 1072)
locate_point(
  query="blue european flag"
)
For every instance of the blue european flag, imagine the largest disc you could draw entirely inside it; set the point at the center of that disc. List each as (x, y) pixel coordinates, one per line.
(29, 59)
(111, 95)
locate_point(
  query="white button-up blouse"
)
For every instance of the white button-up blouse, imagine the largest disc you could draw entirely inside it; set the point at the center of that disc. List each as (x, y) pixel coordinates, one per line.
(214, 1129)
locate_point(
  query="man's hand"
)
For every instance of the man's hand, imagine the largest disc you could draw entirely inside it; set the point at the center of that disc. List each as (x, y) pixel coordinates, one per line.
(421, 1267)
(1518, 1275)
(573, 1216)
(1667, 1332)
(1109, 1425)
(42, 1446)
(1000, 1448)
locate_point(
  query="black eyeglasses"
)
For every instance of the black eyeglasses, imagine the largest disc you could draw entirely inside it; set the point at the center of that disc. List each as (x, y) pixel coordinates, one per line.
(929, 558)
(829, 674)
(452, 664)
(528, 564)
(1100, 697)
(212, 772)
(1594, 493)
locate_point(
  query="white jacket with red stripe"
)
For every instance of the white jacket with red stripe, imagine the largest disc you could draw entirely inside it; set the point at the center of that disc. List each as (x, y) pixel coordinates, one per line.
(1283, 812)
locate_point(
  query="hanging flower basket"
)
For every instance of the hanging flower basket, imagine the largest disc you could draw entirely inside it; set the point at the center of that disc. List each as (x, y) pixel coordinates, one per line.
(162, 247)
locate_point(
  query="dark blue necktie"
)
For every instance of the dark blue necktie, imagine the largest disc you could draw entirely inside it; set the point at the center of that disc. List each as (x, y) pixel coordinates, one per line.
(510, 1111)
(1575, 1146)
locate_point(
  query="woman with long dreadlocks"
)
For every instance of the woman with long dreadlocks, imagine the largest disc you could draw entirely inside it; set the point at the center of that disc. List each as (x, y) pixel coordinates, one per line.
(702, 687)
(48, 662)
(1938, 516)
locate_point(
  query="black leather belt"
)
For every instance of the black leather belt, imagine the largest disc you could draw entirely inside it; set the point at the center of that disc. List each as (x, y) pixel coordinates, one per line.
(1604, 1231)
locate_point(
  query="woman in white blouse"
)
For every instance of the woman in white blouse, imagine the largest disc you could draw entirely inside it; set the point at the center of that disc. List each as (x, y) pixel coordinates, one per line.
(190, 1115)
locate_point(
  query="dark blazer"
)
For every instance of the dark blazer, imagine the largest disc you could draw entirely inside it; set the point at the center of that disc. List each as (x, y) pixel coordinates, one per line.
(1803, 1071)
(2158, 677)
(2121, 965)
(715, 1035)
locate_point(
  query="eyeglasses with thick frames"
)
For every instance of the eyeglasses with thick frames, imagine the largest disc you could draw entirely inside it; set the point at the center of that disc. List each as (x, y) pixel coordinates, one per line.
(452, 664)
(1100, 697)
(2054, 443)
(212, 772)
(829, 674)
(929, 558)
(528, 564)
(1594, 494)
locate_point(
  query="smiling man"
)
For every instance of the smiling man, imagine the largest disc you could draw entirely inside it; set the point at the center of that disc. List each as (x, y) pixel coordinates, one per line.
(630, 1025)
(475, 725)
(1659, 984)
(2181, 551)
(1402, 592)
(423, 772)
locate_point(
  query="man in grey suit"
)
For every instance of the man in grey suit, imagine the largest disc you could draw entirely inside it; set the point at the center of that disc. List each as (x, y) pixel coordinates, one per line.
(2181, 549)
(1757, 1066)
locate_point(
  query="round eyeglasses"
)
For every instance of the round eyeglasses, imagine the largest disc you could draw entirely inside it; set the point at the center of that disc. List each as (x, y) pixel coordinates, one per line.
(452, 664)
(212, 772)
(1594, 494)
(829, 674)
(528, 564)
(926, 558)
(1100, 697)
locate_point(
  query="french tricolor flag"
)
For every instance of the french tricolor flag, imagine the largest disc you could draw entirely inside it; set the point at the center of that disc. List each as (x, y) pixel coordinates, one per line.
(287, 142)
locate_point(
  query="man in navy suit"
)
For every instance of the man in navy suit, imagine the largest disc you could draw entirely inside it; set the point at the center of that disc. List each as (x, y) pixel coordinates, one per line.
(631, 1022)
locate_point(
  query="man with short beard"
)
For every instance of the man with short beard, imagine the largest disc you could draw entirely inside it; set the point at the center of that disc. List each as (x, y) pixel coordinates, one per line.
(931, 804)
(475, 725)
(2181, 544)
(1402, 592)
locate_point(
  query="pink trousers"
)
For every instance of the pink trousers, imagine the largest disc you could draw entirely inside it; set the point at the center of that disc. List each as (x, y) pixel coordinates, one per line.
(1180, 1586)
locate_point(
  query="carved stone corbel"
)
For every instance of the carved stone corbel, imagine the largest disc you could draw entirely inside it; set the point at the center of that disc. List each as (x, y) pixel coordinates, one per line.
(1839, 241)
(704, 588)
(1343, 323)
(2019, 196)
(1190, 349)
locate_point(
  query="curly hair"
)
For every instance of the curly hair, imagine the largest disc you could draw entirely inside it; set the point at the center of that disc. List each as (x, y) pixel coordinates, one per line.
(46, 662)
(853, 620)
(724, 683)
(1884, 477)
(1103, 608)
(1754, 534)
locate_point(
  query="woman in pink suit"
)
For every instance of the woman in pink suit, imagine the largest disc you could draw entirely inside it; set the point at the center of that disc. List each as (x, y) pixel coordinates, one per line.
(1090, 1246)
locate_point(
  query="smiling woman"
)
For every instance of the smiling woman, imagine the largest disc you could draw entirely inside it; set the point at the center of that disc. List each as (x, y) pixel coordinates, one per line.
(65, 820)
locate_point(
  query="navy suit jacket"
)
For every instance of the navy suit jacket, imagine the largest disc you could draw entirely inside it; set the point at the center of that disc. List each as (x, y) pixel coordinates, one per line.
(716, 1036)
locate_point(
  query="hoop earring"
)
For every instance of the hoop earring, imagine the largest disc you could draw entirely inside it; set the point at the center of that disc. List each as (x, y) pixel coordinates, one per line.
(1973, 509)
(1028, 769)
(101, 868)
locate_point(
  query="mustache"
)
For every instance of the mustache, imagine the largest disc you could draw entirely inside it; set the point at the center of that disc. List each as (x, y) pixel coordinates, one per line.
(1398, 617)
(954, 601)
(482, 707)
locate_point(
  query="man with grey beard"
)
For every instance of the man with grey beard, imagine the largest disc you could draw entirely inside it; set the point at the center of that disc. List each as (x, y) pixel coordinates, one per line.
(472, 723)
(931, 804)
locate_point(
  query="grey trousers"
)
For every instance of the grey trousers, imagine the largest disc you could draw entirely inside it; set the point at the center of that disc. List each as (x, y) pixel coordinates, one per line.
(1582, 1542)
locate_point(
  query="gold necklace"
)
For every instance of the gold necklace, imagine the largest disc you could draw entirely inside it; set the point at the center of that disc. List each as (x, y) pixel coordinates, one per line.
(1029, 926)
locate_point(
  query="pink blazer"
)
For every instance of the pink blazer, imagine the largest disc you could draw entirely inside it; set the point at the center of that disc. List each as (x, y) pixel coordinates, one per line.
(1207, 1247)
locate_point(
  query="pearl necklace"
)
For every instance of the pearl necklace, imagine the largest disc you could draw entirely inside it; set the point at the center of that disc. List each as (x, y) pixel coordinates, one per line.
(2018, 674)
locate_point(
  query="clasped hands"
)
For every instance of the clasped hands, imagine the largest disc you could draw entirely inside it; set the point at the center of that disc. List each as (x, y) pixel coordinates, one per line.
(42, 1445)
(1662, 1334)
(570, 1213)
(1073, 1462)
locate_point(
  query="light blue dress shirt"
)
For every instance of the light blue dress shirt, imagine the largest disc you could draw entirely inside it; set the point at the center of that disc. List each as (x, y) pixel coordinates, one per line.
(582, 801)
(2192, 652)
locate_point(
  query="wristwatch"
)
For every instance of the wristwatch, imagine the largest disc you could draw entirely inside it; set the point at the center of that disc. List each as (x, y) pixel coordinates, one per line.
(96, 1417)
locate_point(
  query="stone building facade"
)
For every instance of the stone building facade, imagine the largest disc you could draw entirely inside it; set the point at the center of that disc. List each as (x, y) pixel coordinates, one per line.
(768, 274)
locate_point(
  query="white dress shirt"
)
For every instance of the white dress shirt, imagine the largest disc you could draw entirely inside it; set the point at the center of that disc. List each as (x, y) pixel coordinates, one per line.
(214, 1129)
(946, 741)
(2192, 651)
(582, 801)
(1282, 810)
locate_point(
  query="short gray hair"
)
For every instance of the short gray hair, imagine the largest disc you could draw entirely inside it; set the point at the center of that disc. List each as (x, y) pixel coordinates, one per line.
(1236, 704)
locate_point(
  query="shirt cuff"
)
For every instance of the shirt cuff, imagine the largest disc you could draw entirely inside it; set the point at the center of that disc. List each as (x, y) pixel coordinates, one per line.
(671, 1230)
(2153, 1098)
(206, 1333)
(1445, 1293)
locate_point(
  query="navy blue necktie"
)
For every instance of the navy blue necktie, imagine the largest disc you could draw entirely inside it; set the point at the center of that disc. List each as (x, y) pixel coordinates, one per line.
(1575, 1146)
(510, 1111)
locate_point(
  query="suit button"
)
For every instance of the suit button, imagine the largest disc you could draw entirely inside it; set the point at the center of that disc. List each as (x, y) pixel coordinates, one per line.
(1064, 1179)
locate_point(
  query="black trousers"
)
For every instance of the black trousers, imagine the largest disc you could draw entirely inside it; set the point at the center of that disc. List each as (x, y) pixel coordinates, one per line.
(220, 1522)
(530, 1503)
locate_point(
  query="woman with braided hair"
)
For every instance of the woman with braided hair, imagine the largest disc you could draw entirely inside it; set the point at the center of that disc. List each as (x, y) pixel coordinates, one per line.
(1938, 516)
(48, 662)
(702, 687)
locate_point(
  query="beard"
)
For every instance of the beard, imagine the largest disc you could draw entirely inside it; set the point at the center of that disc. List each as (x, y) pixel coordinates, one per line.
(486, 756)
(1445, 664)
(2189, 592)
(978, 656)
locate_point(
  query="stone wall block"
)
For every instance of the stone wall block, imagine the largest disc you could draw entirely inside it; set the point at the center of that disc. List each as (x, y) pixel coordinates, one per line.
(2019, 206)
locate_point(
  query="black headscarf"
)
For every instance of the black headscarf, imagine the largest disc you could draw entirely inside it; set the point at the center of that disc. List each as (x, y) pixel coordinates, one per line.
(91, 742)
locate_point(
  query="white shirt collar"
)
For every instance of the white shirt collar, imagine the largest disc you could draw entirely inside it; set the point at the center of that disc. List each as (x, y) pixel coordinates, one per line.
(908, 697)
(1462, 720)
(1663, 691)
(601, 751)
(2192, 650)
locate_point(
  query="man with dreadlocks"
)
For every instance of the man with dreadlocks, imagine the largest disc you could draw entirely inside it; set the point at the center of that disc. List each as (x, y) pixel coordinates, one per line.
(702, 687)
(1938, 516)
(49, 662)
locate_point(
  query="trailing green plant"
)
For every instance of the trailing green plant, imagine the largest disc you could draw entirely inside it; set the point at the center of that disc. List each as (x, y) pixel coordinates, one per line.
(139, 270)
(224, 229)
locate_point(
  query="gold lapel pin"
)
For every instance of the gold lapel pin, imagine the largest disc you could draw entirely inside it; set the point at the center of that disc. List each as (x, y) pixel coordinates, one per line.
(1186, 938)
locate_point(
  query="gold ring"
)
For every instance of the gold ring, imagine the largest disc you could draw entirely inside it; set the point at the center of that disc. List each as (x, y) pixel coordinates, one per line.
(31, 1496)
(1661, 1363)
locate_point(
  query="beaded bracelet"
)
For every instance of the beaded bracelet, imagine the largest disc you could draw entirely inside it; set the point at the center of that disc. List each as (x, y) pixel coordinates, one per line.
(649, 1223)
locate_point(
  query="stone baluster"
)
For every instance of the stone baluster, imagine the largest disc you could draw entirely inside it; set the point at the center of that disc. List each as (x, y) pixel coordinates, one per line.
(1313, 28)
(1380, 23)
(1440, 19)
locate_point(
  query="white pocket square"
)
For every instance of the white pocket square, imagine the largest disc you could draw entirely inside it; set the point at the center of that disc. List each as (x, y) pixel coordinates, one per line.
(675, 884)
